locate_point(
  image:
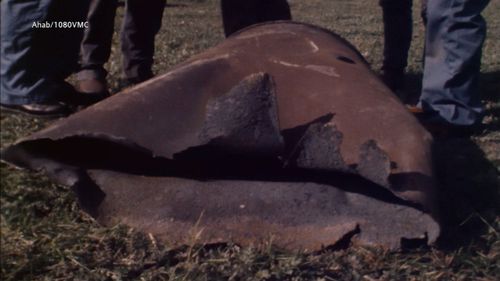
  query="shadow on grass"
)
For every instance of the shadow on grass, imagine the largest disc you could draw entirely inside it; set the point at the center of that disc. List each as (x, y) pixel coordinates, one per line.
(490, 93)
(468, 181)
(490, 86)
(468, 189)
(412, 89)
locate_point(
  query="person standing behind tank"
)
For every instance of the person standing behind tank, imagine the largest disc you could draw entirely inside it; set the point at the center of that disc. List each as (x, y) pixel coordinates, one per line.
(398, 28)
(39, 48)
(141, 23)
(454, 35)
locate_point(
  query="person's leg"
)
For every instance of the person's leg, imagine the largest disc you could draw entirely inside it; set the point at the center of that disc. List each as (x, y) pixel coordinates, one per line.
(96, 45)
(455, 33)
(20, 80)
(398, 24)
(141, 24)
(35, 60)
(60, 46)
(423, 11)
(271, 10)
(237, 15)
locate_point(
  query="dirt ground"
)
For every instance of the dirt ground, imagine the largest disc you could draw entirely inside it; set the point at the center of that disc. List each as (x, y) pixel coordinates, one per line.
(45, 236)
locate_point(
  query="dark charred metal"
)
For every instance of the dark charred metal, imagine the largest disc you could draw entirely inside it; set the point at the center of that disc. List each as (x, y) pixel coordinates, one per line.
(281, 133)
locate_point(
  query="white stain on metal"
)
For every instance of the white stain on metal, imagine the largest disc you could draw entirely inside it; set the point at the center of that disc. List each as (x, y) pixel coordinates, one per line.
(323, 69)
(286, 63)
(315, 47)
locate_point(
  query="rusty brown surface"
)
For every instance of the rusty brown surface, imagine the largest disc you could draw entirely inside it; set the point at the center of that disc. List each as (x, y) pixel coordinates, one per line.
(284, 119)
(296, 215)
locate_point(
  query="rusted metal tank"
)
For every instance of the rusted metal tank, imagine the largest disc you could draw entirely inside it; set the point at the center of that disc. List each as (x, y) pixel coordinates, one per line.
(280, 133)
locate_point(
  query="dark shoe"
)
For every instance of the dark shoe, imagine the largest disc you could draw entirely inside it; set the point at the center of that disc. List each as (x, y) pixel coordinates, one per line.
(129, 82)
(39, 110)
(125, 83)
(64, 101)
(93, 87)
(91, 91)
(440, 128)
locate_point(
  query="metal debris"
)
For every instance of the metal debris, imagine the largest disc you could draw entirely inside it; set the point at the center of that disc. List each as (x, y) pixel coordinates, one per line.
(244, 149)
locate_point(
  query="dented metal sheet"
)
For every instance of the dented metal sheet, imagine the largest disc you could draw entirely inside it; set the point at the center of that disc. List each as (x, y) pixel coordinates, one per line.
(300, 215)
(280, 132)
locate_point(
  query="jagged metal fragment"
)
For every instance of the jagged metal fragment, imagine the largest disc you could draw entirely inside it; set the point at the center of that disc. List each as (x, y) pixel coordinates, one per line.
(374, 164)
(298, 215)
(280, 133)
(245, 120)
(319, 148)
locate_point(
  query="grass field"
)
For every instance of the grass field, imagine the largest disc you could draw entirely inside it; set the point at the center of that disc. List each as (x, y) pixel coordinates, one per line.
(45, 236)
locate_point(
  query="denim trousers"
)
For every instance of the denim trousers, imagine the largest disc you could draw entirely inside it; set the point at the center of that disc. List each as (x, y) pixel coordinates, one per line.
(455, 33)
(35, 58)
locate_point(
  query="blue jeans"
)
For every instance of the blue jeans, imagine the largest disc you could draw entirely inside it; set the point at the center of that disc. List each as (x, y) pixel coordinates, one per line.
(35, 61)
(455, 32)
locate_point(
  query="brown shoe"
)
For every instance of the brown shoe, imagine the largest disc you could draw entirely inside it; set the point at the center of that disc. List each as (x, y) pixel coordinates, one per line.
(414, 109)
(440, 128)
(90, 91)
